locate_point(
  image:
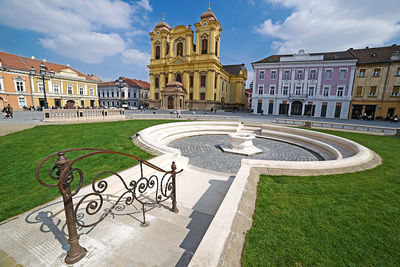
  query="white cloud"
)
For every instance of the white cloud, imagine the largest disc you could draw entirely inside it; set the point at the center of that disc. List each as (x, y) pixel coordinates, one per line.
(135, 57)
(86, 30)
(89, 47)
(145, 4)
(330, 25)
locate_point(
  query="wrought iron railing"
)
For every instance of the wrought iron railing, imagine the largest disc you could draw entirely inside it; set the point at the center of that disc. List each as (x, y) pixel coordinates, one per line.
(163, 187)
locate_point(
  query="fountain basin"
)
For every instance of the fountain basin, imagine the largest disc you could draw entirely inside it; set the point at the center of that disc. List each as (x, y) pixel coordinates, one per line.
(241, 143)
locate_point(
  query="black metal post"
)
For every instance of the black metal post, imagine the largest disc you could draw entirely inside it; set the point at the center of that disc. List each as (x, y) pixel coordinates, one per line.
(174, 208)
(76, 252)
(46, 105)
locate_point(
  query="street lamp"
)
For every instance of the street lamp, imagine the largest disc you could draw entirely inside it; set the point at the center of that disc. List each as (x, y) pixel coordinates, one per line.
(120, 83)
(43, 73)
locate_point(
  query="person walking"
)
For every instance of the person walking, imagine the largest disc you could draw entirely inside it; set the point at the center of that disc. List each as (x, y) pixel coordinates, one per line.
(8, 112)
(395, 119)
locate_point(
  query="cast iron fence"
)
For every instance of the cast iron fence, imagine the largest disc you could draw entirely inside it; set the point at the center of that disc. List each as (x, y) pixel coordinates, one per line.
(163, 187)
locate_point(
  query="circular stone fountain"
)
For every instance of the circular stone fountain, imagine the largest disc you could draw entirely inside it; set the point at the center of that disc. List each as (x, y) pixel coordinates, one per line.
(242, 144)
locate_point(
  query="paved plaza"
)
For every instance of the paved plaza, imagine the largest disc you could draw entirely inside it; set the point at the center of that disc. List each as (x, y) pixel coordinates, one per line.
(28, 119)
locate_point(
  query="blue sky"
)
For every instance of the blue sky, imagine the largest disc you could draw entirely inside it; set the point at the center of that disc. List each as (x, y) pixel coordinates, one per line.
(110, 37)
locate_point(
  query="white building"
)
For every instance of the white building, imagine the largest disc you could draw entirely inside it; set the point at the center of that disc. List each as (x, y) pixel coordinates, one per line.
(135, 94)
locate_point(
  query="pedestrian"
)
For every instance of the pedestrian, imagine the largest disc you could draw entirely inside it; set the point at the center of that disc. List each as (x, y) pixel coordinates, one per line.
(262, 112)
(395, 119)
(8, 112)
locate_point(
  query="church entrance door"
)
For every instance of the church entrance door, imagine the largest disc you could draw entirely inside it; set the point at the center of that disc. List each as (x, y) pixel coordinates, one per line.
(170, 102)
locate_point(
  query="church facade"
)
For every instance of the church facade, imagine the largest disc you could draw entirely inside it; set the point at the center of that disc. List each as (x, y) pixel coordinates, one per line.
(185, 74)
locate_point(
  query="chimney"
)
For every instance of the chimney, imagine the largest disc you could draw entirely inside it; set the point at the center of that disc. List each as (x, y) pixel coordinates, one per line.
(44, 60)
(67, 65)
(32, 57)
(366, 47)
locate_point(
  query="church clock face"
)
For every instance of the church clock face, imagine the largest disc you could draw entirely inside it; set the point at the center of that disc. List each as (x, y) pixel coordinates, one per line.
(158, 33)
(205, 24)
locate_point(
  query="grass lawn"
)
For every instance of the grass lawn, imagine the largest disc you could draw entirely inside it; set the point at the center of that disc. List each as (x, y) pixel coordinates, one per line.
(22, 151)
(336, 220)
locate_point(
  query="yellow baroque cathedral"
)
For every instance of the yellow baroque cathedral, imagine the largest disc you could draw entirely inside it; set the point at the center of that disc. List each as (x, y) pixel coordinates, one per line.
(189, 75)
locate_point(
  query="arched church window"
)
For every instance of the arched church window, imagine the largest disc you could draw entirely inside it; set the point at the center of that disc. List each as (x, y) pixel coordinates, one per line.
(216, 48)
(158, 52)
(179, 49)
(204, 45)
(179, 78)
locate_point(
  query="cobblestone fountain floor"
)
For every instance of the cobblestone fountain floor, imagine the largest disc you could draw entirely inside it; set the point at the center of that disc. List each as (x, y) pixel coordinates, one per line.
(204, 152)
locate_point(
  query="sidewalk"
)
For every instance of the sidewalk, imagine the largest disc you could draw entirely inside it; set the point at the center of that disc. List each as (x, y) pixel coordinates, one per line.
(38, 237)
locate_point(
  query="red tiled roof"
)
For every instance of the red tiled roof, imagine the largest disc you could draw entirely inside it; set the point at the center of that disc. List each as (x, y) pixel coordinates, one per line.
(24, 63)
(375, 54)
(129, 82)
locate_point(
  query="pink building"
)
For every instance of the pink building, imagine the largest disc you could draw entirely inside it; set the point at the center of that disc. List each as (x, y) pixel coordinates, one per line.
(317, 84)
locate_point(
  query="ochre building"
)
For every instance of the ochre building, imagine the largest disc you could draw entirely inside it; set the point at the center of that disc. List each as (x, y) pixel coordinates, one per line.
(189, 75)
(21, 89)
(377, 82)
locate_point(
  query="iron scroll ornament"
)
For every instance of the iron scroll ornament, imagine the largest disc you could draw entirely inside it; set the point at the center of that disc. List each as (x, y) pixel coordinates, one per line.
(64, 173)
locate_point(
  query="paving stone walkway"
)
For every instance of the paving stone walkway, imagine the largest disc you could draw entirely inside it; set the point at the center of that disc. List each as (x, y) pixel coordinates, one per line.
(204, 152)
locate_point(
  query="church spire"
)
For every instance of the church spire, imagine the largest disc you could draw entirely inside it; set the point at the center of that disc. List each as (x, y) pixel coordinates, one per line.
(209, 5)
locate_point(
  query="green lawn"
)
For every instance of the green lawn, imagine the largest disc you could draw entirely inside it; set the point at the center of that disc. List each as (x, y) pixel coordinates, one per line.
(336, 220)
(22, 151)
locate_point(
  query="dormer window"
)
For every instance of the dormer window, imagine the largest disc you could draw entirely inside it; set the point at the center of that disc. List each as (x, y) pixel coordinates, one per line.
(374, 55)
(377, 72)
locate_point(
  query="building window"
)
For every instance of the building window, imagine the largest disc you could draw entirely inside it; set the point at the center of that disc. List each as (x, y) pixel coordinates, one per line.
(285, 89)
(362, 72)
(129, 94)
(56, 88)
(313, 74)
(261, 75)
(311, 91)
(82, 103)
(298, 90)
(272, 90)
(216, 48)
(191, 81)
(21, 101)
(1, 84)
(372, 91)
(166, 80)
(69, 89)
(179, 77)
(156, 82)
(395, 91)
(377, 72)
(134, 94)
(398, 72)
(158, 52)
(112, 93)
(260, 89)
(340, 91)
(287, 75)
(202, 96)
(299, 75)
(204, 45)
(216, 80)
(273, 75)
(157, 96)
(81, 90)
(326, 91)
(40, 87)
(328, 74)
(91, 91)
(343, 74)
(179, 49)
(359, 90)
(203, 81)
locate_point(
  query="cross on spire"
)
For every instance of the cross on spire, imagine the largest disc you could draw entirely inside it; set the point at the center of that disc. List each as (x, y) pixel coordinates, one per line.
(209, 5)
(163, 16)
